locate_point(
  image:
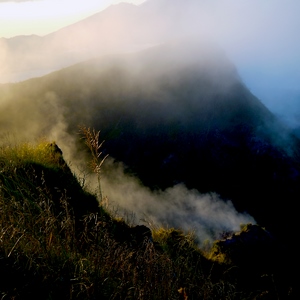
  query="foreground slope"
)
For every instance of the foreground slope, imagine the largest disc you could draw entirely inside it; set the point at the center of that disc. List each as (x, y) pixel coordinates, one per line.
(58, 242)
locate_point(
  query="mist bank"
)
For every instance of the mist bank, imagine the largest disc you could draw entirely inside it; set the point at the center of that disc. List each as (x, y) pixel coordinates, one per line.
(120, 28)
(266, 52)
(181, 121)
(208, 216)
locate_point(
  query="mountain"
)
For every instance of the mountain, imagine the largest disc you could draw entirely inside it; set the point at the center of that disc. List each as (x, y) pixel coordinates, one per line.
(177, 113)
(119, 28)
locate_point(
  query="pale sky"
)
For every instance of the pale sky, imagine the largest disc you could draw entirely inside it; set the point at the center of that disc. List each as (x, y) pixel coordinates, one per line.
(41, 17)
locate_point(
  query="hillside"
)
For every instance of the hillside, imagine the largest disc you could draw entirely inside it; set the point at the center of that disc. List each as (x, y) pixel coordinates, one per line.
(58, 242)
(176, 113)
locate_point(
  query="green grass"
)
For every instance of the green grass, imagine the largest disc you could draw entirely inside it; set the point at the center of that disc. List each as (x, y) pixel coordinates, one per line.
(20, 154)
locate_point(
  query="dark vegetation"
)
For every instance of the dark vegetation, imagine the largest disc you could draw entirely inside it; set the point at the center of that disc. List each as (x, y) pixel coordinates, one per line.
(57, 242)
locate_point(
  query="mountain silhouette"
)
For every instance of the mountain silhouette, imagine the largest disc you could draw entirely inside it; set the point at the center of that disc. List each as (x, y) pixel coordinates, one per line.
(122, 27)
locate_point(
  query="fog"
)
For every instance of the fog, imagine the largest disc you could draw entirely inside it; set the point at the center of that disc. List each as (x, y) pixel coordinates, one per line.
(260, 38)
(106, 94)
(206, 215)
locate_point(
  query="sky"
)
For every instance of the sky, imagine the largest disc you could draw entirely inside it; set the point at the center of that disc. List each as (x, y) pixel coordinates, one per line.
(25, 17)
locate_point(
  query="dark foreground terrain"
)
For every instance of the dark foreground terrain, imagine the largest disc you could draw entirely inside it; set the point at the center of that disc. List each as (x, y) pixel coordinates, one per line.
(58, 243)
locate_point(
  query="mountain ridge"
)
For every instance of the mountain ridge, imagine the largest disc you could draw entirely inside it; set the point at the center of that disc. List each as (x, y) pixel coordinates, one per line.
(168, 122)
(77, 42)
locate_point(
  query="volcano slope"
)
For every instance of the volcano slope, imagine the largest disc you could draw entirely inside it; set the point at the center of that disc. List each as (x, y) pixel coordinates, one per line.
(174, 113)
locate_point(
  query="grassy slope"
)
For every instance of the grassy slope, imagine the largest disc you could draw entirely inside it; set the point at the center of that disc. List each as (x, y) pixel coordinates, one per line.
(166, 122)
(56, 242)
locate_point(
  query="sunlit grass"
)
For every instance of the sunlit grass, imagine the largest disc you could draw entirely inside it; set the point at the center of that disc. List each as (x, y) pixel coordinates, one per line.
(42, 152)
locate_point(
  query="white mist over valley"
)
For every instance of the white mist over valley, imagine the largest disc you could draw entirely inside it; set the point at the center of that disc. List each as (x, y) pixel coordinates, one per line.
(260, 38)
(150, 85)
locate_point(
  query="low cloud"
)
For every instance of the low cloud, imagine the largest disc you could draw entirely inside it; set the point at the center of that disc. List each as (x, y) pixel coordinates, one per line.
(207, 215)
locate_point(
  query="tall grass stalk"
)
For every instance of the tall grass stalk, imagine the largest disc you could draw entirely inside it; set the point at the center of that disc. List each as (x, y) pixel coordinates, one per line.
(91, 138)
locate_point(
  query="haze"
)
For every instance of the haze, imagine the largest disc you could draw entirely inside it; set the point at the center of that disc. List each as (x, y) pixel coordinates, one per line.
(25, 17)
(260, 37)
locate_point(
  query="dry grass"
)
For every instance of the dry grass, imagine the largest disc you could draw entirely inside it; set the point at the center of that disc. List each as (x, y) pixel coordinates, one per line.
(91, 138)
(45, 254)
